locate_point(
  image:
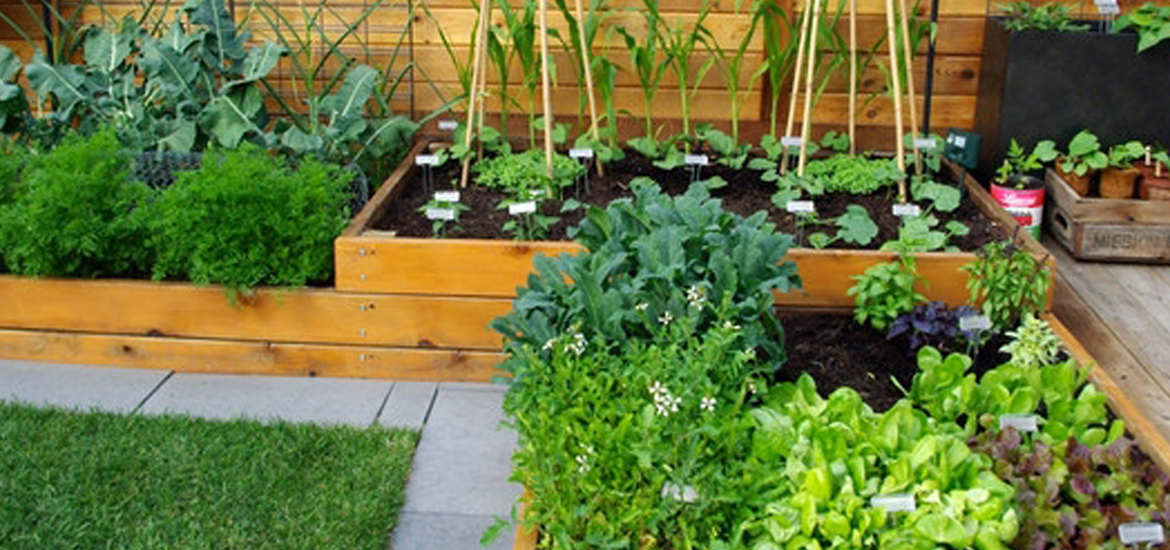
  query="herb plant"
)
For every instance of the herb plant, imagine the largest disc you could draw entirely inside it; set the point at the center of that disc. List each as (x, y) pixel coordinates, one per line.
(1007, 283)
(1024, 16)
(1019, 162)
(76, 213)
(1151, 22)
(1084, 154)
(246, 219)
(932, 324)
(1033, 344)
(14, 156)
(886, 291)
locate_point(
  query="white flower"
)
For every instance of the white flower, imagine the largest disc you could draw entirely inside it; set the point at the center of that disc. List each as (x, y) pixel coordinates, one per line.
(578, 345)
(696, 296)
(728, 325)
(666, 318)
(641, 308)
(664, 403)
(549, 344)
(708, 404)
(582, 464)
(752, 388)
(675, 403)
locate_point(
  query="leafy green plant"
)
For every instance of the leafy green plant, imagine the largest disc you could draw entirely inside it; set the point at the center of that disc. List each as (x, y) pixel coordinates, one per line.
(246, 218)
(527, 226)
(853, 174)
(1033, 344)
(1125, 154)
(1024, 16)
(14, 156)
(443, 215)
(1151, 22)
(835, 141)
(1007, 283)
(731, 153)
(1019, 162)
(76, 213)
(521, 173)
(642, 258)
(921, 234)
(854, 227)
(886, 291)
(13, 102)
(942, 197)
(592, 19)
(1084, 154)
(932, 324)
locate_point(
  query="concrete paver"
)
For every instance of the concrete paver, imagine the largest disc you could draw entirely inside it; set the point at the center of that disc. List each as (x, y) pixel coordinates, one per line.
(408, 405)
(80, 387)
(446, 532)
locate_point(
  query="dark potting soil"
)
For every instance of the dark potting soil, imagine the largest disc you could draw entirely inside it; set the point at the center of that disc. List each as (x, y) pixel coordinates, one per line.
(838, 352)
(745, 194)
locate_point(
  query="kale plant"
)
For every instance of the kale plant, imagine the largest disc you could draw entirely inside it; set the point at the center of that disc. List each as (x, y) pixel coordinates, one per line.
(653, 258)
(932, 324)
(247, 219)
(77, 213)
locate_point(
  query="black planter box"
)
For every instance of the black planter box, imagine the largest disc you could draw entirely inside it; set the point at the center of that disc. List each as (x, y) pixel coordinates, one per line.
(1036, 85)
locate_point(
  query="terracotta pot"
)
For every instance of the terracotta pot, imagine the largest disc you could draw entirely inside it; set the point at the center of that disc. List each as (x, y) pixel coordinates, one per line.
(1118, 183)
(1146, 170)
(1155, 189)
(1080, 184)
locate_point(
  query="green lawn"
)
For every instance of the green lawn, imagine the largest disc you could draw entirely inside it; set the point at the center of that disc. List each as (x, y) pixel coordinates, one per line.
(97, 480)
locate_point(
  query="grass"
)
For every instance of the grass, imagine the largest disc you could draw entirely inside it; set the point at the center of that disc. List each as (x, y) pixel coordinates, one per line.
(99, 480)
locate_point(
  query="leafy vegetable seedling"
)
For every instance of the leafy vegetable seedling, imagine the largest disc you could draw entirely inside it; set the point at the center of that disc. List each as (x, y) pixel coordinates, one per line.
(443, 213)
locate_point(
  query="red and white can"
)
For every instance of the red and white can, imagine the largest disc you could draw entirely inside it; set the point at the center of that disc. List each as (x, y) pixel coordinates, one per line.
(1025, 205)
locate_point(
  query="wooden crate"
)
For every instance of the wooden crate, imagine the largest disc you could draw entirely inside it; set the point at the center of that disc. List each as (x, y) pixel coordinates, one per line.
(1136, 422)
(1107, 229)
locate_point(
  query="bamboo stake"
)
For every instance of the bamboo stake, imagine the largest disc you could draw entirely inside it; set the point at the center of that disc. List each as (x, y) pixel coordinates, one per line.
(544, 80)
(480, 42)
(900, 148)
(481, 96)
(908, 53)
(788, 124)
(588, 66)
(806, 121)
(852, 77)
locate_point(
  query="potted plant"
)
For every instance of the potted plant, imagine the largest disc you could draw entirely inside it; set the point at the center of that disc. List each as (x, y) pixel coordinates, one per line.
(1016, 186)
(1117, 181)
(1081, 163)
(1156, 185)
(1151, 23)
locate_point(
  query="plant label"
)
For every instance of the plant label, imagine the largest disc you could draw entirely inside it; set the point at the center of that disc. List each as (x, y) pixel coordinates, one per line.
(697, 160)
(1021, 422)
(448, 125)
(441, 214)
(974, 322)
(447, 196)
(907, 210)
(800, 207)
(518, 208)
(426, 160)
(895, 502)
(791, 141)
(959, 141)
(1138, 533)
(1106, 9)
(686, 493)
(581, 153)
(925, 144)
(535, 193)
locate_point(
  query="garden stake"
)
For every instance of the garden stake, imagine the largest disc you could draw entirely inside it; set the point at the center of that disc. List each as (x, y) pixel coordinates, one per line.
(544, 80)
(897, 97)
(806, 122)
(909, 55)
(480, 44)
(588, 69)
(804, 23)
(852, 77)
(481, 94)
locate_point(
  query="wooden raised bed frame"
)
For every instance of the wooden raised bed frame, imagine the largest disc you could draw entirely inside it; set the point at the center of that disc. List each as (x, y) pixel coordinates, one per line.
(1140, 427)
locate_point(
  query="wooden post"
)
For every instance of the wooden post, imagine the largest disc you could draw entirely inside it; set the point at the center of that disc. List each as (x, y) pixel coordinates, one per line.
(852, 77)
(588, 66)
(544, 80)
(791, 121)
(806, 122)
(900, 148)
(480, 42)
(908, 53)
(481, 94)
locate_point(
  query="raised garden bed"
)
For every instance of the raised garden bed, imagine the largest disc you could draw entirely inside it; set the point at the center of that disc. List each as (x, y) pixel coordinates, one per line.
(1152, 443)
(1107, 229)
(370, 259)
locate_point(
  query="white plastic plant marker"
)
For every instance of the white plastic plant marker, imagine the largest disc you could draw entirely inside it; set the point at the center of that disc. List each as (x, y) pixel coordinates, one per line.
(1106, 9)
(800, 207)
(907, 210)
(526, 207)
(448, 125)
(1141, 533)
(925, 144)
(581, 153)
(895, 503)
(441, 214)
(426, 160)
(697, 160)
(1021, 422)
(959, 141)
(686, 493)
(447, 196)
(791, 141)
(974, 322)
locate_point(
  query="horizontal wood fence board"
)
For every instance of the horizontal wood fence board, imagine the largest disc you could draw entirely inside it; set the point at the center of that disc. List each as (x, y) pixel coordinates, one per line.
(296, 316)
(235, 357)
(920, 8)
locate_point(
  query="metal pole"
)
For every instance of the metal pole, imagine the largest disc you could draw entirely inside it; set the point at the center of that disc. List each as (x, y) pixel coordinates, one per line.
(928, 93)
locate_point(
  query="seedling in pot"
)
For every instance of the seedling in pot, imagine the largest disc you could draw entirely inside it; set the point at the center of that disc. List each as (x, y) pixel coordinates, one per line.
(1019, 165)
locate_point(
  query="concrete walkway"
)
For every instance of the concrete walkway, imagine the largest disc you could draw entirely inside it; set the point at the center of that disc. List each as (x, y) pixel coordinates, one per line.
(458, 484)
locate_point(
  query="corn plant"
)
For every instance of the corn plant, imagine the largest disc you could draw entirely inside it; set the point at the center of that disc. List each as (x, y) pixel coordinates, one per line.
(732, 65)
(516, 41)
(680, 42)
(462, 65)
(779, 54)
(644, 59)
(594, 16)
(70, 35)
